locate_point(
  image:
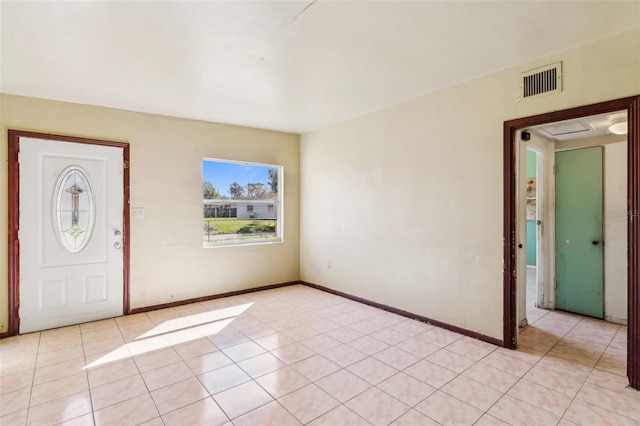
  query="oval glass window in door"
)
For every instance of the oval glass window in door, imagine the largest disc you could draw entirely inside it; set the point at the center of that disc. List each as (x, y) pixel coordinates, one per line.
(74, 209)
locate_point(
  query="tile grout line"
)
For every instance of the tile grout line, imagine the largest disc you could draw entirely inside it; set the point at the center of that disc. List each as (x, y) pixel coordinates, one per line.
(587, 381)
(126, 344)
(545, 354)
(86, 363)
(33, 379)
(575, 397)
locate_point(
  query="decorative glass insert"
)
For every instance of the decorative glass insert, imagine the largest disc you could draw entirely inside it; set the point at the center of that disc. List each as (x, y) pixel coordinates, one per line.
(74, 209)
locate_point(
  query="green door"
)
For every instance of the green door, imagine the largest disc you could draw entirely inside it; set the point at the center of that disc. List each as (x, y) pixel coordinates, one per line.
(579, 245)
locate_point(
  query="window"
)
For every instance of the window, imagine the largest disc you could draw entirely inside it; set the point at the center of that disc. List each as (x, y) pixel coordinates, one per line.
(241, 203)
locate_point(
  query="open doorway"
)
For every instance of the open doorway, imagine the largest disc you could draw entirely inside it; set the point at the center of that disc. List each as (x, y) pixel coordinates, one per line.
(514, 230)
(534, 231)
(568, 266)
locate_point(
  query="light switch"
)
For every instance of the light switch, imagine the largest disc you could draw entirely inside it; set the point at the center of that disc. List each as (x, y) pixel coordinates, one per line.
(137, 212)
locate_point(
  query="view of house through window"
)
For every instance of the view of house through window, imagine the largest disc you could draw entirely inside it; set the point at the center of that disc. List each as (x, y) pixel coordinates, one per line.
(242, 202)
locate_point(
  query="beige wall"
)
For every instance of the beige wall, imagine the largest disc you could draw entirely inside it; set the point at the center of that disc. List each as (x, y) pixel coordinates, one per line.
(168, 262)
(406, 202)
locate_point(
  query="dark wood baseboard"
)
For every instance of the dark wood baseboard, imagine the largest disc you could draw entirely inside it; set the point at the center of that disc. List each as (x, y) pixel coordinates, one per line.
(387, 308)
(211, 297)
(456, 329)
(196, 299)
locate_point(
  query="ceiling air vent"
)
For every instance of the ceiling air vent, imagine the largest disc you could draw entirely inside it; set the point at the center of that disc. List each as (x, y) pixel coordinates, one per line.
(543, 80)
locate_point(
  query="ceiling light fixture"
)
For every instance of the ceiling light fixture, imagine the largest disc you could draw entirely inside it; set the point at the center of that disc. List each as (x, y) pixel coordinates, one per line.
(619, 127)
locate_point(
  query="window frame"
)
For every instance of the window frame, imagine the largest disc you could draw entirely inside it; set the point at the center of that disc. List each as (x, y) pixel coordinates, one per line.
(277, 202)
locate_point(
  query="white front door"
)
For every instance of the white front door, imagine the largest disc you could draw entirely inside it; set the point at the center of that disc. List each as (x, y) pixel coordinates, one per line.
(71, 225)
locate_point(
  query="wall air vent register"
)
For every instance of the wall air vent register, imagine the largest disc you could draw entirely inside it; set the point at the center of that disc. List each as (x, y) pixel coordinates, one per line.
(544, 80)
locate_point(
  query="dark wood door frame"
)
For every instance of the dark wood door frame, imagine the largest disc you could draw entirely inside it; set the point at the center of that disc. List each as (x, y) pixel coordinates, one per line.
(632, 106)
(14, 218)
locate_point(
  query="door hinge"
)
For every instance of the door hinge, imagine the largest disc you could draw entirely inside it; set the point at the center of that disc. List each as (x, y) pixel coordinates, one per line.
(555, 284)
(555, 169)
(125, 164)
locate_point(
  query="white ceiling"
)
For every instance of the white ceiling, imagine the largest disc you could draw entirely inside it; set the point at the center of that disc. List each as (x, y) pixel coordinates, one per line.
(580, 128)
(289, 65)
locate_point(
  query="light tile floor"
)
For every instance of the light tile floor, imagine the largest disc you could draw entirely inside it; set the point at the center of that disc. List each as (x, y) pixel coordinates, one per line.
(296, 355)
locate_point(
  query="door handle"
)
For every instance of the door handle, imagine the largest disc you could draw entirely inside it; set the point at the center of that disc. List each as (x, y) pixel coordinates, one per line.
(117, 244)
(519, 245)
(117, 233)
(595, 243)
